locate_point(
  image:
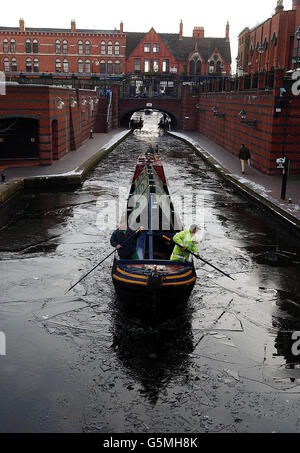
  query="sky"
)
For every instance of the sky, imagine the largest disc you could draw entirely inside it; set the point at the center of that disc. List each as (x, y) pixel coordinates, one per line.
(140, 16)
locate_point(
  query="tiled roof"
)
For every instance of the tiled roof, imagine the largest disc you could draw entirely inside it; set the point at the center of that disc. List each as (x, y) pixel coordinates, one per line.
(181, 49)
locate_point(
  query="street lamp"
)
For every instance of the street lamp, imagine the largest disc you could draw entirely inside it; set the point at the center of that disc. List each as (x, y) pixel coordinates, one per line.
(298, 44)
(260, 51)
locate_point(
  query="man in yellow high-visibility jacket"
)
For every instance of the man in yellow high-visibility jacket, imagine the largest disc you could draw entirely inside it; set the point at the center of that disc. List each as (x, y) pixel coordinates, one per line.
(187, 240)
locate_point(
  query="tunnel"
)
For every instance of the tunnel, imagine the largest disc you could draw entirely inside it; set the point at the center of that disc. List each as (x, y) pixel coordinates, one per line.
(19, 138)
(125, 118)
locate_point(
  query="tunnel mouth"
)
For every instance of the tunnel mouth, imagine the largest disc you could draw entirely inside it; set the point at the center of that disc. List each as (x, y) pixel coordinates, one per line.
(125, 120)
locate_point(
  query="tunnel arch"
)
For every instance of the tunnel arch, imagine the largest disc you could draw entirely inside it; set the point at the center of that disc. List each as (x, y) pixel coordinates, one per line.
(125, 118)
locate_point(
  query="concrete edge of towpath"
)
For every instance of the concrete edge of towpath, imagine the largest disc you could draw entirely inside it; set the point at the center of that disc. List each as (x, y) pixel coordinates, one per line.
(280, 214)
(71, 179)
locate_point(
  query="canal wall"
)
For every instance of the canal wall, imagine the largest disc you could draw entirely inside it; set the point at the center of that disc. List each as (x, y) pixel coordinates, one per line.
(69, 180)
(280, 215)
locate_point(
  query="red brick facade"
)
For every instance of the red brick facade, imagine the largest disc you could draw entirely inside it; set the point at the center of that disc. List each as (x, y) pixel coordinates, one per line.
(111, 52)
(276, 36)
(63, 117)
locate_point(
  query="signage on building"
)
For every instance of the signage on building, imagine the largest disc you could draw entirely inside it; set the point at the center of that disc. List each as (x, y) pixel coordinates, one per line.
(173, 69)
(281, 163)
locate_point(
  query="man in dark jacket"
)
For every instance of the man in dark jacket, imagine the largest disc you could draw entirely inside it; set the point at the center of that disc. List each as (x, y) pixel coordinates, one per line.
(244, 156)
(119, 236)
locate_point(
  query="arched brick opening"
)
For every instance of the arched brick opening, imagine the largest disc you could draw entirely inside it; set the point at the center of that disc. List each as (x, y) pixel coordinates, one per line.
(125, 118)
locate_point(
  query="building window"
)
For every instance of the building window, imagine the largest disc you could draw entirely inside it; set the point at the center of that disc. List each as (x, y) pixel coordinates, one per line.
(80, 66)
(88, 66)
(6, 65)
(109, 67)
(117, 67)
(35, 46)
(117, 48)
(192, 67)
(36, 65)
(211, 67)
(198, 67)
(155, 66)
(147, 66)
(274, 39)
(251, 50)
(156, 48)
(102, 51)
(165, 66)
(266, 44)
(57, 66)
(65, 66)
(13, 46)
(28, 46)
(87, 48)
(14, 65)
(137, 65)
(65, 47)
(102, 67)
(80, 48)
(109, 48)
(219, 67)
(147, 48)
(57, 47)
(5, 46)
(28, 65)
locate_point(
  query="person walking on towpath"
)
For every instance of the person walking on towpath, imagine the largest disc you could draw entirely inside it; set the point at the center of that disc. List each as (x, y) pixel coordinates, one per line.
(244, 156)
(188, 241)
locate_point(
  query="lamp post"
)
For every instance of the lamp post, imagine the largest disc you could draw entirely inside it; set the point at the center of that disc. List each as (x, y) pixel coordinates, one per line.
(298, 45)
(260, 51)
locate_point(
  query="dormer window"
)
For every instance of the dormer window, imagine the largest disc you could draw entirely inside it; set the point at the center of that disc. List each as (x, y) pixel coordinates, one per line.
(147, 48)
(155, 48)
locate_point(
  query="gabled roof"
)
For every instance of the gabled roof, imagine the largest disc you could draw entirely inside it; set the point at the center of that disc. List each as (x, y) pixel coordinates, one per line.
(182, 48)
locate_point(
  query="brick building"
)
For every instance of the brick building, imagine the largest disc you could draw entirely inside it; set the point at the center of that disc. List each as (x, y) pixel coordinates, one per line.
(40, 124)
(65, 52)
(271, 44)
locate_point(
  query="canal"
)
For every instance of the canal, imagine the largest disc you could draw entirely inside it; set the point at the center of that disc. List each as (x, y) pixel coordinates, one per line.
(78, 363)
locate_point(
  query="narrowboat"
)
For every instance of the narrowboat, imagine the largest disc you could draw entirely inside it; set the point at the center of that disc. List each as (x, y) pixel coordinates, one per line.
(151, 279)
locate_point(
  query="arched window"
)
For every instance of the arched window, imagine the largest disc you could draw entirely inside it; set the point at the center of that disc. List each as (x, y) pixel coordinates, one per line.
(28, 46)
(57, 65)
(14, 65)
(88, 66)
(36, 65)
(109, 67)
(198, 67)
(266, 43)
(251, 50)
(5, 46)
(192, 67)
(12, 46)
(80, 48)
(117, 67)
(35, 46)
(274, 39)
(6, 65)
(87, 48)
(80, 66)
(57, 46)
(28, 65)
(211, 67)
(65, 47)
(65, 66)
(103, 46)
(109, 48)
(102, 67)
(117, 48)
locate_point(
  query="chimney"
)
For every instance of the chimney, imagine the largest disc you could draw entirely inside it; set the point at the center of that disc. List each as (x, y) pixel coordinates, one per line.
(198, 32)
(279, 7)
(181, 30)
(227, 31)
(22, 24)
(73, 26)
(121, 27)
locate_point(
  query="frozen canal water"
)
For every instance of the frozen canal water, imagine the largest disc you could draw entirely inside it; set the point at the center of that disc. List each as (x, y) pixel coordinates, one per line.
(78, 363)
